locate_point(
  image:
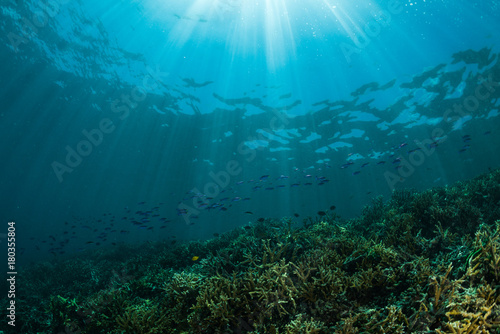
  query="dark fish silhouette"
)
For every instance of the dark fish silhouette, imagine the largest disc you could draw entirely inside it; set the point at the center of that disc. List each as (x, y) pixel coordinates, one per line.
(191, 83)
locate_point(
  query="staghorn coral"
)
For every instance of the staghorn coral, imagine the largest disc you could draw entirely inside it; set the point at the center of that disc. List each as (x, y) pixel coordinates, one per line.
(473, 310)
(394, 322)
(181, 291)
(144, 319)
(302, 326)
(268, 292)
(487, 254)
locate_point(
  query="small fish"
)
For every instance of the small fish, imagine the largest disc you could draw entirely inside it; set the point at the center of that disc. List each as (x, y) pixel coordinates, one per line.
(246, 227)
(194, 258)
(264, 177)
(332, 207)
(463, 149)
(249, 212)
(356, 172)
(296, 215)
(181, 212)
(347, 164)
(260, 220)
(365, 164)
(321, 213)
(295, 185)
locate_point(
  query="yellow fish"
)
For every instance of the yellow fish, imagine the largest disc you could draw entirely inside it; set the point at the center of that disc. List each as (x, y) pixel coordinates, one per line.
(194, 258)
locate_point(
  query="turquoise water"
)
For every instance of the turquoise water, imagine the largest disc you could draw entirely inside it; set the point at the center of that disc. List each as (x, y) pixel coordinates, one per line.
(150, 120)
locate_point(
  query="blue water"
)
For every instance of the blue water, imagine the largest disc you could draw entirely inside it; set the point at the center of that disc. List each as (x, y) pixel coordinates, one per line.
(139, 121)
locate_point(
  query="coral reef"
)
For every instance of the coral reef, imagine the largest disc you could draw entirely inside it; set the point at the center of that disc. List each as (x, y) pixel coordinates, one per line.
(418, 263)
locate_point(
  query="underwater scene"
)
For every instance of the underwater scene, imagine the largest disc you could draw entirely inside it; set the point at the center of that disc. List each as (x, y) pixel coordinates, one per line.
(250, 166)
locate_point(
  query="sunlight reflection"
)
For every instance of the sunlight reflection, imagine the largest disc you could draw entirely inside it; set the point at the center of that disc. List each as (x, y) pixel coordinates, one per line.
(242, 26)
(280, 45)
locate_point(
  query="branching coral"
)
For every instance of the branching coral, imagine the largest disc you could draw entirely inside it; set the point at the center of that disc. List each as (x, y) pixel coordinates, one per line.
(471, 311)
(443, 290)
(302, 326)
(144, 319)
(487, 244)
